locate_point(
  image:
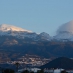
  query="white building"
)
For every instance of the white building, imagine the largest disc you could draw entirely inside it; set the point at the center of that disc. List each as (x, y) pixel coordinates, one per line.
(53, 70)
(69, 71)
(29, 69)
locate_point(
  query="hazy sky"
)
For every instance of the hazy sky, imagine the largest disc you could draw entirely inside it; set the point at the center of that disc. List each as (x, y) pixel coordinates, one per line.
(36, 15)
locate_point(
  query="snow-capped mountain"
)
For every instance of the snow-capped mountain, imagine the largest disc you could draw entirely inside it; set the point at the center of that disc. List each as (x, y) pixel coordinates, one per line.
(6, 27)
(65, 32)
(10, 30)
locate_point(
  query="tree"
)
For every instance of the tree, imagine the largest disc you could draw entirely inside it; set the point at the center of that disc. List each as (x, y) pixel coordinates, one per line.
(9, 71)
(1, 70)
(31, 72)
(40, 71)
(12, 71)
(17, 65)
(25, 71)
(64, 71)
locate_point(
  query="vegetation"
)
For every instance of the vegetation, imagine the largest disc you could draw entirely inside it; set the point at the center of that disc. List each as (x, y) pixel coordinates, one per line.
(61, 62)
(41, 48)
(31, 72)
(64, 71)
(8, 71)
(25, 71)
(17, 65)
(41, 71)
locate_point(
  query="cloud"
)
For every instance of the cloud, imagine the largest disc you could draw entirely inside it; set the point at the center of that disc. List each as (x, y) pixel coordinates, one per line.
(67, 27)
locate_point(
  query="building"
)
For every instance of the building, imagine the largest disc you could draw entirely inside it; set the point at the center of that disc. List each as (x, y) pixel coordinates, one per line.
(53, 70)
(29, 69)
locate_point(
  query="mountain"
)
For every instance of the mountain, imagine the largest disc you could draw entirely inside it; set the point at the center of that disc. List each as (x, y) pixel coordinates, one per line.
(64, 33)
(6, 27)
(16, 42)
(61, 62)
(46, 49)
(10, 30)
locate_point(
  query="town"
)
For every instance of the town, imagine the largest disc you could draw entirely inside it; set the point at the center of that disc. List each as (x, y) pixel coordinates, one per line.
(30, 60)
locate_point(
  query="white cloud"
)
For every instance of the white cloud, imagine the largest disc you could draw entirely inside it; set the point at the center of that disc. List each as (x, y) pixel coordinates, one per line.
(67, 27)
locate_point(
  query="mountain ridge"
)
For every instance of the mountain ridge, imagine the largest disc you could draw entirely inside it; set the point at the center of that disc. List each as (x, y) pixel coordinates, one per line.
(64, 33)
(10, 30)
(7, 27)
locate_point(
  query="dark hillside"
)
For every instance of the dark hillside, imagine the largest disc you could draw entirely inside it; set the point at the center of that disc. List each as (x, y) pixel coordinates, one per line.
(61, 62)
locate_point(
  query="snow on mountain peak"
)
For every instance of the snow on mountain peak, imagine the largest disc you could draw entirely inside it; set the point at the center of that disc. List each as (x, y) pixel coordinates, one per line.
(6, 27)
(10, 30)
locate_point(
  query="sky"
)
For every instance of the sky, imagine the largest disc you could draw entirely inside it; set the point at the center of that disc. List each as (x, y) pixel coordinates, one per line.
(36, 15)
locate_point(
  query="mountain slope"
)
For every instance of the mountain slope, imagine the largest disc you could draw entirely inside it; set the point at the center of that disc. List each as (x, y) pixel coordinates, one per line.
(25, 42)
(40, 48)
(62, 62)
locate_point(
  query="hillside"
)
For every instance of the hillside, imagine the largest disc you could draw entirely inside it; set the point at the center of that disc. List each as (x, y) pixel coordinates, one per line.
(16, 42)
(62, 62)
(13, 48)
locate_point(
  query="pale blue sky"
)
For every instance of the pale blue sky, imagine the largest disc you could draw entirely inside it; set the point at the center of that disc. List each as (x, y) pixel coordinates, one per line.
(36, 15)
